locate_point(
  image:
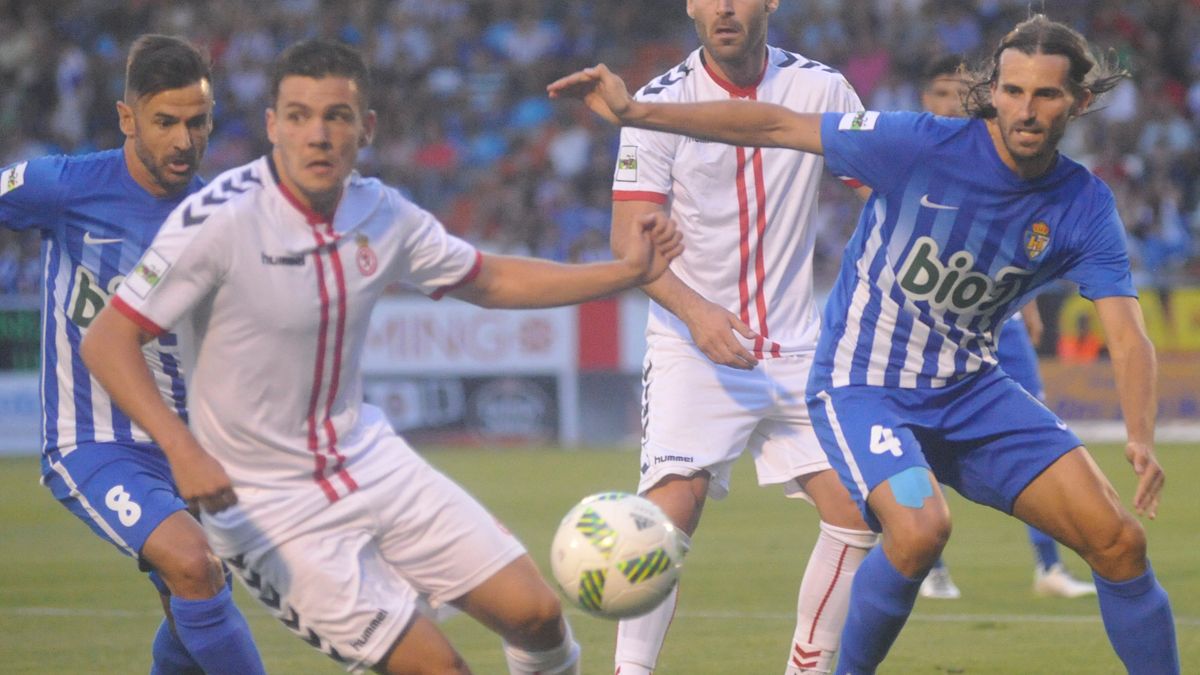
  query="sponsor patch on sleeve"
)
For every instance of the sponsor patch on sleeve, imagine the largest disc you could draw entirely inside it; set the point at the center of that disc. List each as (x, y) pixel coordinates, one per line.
(149, 271)
(863, 120)
(627, 164)
(12, 178)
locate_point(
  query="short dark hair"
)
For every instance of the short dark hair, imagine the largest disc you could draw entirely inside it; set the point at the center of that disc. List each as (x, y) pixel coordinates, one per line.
(942, 66)
(1039, 35)
(318, 58)
(160, 62)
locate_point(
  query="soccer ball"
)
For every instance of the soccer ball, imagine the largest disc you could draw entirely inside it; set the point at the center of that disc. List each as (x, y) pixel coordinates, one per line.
(616, 555)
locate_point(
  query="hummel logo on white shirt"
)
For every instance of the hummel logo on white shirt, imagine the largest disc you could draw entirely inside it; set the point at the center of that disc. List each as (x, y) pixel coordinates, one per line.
(933, 205)
(90, 240)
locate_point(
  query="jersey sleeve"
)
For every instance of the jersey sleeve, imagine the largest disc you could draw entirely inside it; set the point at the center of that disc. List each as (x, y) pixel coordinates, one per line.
(31, 193)
(185, 262)
(644, 161)
(872, 147)
(1102, 257)
(431, 260)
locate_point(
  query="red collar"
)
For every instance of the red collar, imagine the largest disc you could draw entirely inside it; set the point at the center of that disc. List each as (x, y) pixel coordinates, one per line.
(733, 89)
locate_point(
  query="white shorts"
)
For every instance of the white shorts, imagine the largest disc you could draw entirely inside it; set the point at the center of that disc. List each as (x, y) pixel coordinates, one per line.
(348, 580)
(697, 415)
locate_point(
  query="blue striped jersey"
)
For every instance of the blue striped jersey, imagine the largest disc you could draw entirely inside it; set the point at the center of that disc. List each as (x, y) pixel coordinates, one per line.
(949, 245)
(95, 222)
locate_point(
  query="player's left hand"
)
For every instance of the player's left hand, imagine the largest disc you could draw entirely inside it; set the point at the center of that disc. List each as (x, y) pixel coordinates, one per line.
(1150, 478)
(653, 246)
(599, 88)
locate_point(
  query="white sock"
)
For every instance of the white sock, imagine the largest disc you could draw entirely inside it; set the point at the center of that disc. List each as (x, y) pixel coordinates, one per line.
(561, 660)
(824, 597)
(639, 640)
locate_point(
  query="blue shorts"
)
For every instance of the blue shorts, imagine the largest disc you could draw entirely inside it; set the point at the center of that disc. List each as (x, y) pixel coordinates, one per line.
(984, 436)
(1018, 358)
(123, 491)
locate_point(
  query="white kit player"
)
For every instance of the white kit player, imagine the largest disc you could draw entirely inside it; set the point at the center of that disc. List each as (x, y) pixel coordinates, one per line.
(709, 396)
(328, 516)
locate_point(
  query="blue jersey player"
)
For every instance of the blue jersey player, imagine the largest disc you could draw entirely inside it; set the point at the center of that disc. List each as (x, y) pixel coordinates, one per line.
(944, 92)
(97, 214)
(968, 217)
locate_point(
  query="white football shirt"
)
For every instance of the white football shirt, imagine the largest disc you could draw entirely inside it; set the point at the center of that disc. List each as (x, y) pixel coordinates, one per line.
(744, 212)
(279, 300)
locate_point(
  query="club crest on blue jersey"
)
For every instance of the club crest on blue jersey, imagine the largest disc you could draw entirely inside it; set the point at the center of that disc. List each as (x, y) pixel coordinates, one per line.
(12, 178)
(1037, 238)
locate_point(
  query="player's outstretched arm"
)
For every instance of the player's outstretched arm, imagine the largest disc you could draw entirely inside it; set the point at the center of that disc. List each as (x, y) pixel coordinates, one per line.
(112, 351)
(516, 283)
(1135, 368)
(734, 122)
(711, 326)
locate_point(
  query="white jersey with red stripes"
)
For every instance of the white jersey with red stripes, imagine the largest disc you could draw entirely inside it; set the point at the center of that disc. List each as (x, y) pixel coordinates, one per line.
(279, 300)
(744, 212)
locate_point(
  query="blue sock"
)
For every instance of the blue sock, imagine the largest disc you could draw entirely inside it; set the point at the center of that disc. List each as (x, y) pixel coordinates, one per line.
(1044, 547)
(938, 564)
(1140, 626)
(170, 656)
(880, 601)
(216, 635)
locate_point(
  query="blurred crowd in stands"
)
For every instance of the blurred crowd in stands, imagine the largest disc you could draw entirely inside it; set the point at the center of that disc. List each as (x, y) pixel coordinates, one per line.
(466, 129)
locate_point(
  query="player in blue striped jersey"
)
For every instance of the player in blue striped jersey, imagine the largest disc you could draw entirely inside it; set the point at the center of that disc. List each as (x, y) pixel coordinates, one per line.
(944, 92)
(97, 213)
(967, 219)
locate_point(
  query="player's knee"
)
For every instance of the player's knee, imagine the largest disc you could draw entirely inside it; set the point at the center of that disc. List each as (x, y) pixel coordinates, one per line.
(916, 546)
(194, 573)
(539, 623)
(1117, 552)
(681, 498)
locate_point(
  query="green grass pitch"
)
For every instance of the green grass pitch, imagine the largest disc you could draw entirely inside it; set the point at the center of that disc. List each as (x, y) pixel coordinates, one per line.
(70, 603)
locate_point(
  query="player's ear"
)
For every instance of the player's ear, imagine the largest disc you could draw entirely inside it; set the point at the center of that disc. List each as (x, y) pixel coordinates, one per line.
(1082, 103)
(125, 118)
(771, 6)
(272, 134)
(368, 131)
(691, 10)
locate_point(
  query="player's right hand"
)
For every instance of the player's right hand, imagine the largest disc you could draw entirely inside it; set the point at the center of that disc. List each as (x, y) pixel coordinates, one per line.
(202, 481)
(1151, 478)
(712, 328)
(599, 88)
(655, 243)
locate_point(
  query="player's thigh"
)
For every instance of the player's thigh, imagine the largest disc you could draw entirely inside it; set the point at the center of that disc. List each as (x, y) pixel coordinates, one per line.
(697, 416)
(329, 584)
(998, 438)
(517, 604)
(436, 535)
(867, 436)
(1074, 502)
(122, 492)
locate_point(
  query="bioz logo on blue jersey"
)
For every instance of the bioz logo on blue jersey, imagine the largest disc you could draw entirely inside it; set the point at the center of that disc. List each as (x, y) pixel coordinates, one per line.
(88, 297)
(954, 285)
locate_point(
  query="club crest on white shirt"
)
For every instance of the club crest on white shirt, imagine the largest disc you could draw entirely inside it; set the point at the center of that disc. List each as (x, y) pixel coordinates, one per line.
(627, 164)
(148, 273)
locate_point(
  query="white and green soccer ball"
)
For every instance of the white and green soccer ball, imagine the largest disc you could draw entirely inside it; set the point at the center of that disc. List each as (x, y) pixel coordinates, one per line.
(616, 555)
